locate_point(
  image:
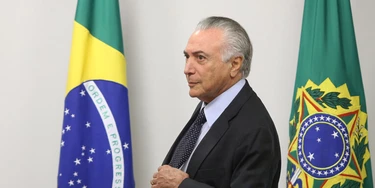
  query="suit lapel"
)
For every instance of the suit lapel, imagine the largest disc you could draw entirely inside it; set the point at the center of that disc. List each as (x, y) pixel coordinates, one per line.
(217, 130)
(205, 146)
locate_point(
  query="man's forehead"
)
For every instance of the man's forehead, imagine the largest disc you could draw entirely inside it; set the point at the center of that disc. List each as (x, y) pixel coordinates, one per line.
(207, 34)
(201, 40)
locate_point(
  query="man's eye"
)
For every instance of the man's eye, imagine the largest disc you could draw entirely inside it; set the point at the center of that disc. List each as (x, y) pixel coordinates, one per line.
(201, 57)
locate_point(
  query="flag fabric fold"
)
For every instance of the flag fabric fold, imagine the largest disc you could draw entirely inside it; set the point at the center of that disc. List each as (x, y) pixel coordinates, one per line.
(329, 145)
(96, 144)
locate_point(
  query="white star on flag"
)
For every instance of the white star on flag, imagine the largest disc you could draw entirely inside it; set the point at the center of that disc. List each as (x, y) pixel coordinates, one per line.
(339, 125)
(311, 156)
(334, 134)
(322, 118)
(77, 161)
(126, 146)
(92, 150)
(90, 159)
(66, 111)
(82, 93)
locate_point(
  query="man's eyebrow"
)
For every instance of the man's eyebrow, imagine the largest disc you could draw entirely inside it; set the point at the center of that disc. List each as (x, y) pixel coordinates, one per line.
(195, 53)
(198, 52)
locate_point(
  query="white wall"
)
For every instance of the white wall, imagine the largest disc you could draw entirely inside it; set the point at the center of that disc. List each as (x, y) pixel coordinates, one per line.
(35, 39)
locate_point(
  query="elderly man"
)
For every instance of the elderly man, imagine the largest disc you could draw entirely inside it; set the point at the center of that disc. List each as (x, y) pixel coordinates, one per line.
(230, 140)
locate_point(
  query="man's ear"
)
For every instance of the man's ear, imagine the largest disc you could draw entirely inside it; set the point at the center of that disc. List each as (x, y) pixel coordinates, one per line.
(236, 64)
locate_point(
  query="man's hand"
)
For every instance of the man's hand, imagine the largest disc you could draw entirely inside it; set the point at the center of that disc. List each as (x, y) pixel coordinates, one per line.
(168, 177)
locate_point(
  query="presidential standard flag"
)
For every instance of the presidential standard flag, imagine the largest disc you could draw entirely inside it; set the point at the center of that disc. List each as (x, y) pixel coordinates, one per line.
(329, 144)
(96, 144)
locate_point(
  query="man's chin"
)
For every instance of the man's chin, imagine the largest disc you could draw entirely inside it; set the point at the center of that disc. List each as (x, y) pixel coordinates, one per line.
(193, 93)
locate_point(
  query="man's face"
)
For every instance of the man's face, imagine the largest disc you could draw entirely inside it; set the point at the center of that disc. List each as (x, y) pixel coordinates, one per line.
(207, 75)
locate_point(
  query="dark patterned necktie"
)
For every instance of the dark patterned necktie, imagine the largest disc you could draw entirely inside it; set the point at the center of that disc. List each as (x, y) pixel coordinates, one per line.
(187, 143)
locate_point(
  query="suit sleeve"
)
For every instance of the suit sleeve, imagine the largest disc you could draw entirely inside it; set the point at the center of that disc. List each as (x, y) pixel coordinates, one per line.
(257, 160)
(190, 183)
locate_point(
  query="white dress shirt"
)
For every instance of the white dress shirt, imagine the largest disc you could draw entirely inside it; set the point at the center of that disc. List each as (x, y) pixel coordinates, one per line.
(213, 110)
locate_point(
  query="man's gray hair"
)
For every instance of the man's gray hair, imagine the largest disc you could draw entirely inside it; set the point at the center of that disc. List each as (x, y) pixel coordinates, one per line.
(237, 42)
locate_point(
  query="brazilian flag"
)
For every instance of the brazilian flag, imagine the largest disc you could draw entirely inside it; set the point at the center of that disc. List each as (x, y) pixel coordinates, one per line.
(329, 145)
(96, 148)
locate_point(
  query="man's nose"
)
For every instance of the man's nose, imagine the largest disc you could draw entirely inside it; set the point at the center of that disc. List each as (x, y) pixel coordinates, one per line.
(189, 67)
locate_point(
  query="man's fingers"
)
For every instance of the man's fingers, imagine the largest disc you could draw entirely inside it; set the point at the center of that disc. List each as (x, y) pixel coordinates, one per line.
(152, 181)
(164, 167)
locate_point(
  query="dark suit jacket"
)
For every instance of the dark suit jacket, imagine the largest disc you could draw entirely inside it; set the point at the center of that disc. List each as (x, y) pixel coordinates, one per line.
(241, 150)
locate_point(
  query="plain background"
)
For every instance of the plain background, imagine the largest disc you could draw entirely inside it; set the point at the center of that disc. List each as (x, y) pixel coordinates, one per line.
(35, 41)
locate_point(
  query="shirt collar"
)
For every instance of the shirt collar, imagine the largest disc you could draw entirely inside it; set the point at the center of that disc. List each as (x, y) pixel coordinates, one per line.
(217, 106)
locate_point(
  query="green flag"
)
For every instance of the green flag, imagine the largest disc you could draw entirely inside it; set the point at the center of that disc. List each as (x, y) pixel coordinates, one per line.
(96, 147)
(328, 144)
